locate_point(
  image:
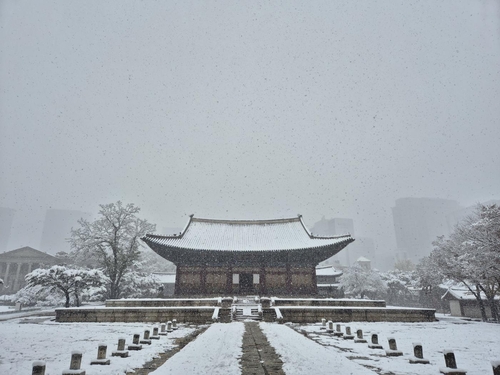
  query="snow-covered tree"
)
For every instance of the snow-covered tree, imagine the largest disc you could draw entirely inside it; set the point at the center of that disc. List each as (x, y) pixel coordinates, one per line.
(112, 241)
(361, 281)
(140, 285)
(471, 255)
(400, 287)
(69, 281)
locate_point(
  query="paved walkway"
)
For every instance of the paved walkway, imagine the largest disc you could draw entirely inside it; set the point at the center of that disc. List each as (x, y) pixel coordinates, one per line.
(259, 357)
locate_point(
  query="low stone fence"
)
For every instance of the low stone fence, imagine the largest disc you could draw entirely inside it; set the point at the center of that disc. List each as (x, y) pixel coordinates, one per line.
(327, 302)
(305, 314)
(163, 302)
(198, 315)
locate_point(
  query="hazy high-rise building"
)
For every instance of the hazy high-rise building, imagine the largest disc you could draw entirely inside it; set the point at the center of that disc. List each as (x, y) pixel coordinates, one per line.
(362, 246)
(57, 228)
(418, 222)
(6, 220)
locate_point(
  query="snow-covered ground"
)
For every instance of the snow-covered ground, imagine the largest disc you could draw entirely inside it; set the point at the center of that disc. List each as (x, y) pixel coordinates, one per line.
(218, 350)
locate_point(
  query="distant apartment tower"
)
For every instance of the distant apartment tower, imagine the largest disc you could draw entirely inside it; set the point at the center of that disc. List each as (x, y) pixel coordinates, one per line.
(418, 222)
(6, 220)
(57, 228)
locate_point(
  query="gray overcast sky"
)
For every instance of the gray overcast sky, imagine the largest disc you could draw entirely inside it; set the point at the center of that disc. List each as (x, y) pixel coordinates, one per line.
(247, 109)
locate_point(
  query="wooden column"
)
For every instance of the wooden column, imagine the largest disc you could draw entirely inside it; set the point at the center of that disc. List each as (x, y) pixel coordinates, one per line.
(288, 286)
(263, 287)
(203, 279)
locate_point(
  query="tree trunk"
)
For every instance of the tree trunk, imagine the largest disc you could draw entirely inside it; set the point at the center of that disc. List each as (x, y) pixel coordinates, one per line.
(481, 304)
(66, 294)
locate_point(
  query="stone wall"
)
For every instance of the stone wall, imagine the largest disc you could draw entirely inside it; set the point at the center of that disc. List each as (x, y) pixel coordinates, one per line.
(328, 302)
(198, 315)
(160, 302)
(313, 315)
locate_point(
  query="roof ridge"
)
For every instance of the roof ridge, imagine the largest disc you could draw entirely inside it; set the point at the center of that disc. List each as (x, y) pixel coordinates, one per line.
(246, 221)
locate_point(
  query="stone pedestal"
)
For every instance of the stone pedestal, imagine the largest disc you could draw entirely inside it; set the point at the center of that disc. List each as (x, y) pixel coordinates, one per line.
(155, 335)
(338, 331)
(146, 340)
(451, 365)
(393, 348)
(163, 332)
(101, 356)
(38, 368)
(359, 337)
(330, 327)
(418, 355)
(375, 344)
(120, 352)
(348, 335)
(74, 366)
(135, 343)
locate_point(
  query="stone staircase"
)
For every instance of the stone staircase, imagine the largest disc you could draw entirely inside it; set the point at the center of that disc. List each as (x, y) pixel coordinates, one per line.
(246, 310)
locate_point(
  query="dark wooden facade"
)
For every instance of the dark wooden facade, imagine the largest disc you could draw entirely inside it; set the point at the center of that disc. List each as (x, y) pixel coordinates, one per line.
(231, 272)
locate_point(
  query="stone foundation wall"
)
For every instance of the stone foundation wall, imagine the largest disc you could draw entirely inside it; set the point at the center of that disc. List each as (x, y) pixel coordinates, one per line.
(312, 315)
(328, 302)
(134, 315)
(161, 302)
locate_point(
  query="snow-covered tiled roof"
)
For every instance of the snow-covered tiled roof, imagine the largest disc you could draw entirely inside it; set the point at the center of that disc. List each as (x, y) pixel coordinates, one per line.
(245, 235)
(328, 271)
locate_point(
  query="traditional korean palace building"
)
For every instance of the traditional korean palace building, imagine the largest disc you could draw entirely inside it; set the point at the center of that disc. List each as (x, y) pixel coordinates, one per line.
(266, 257)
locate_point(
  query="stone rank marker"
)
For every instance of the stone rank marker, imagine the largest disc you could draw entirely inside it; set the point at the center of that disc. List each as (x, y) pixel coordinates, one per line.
(169, 326)
(146, 340)
(120, 352)
(101, 356)
(348, 335)
(418, 355)
(451, 365)
(74, 365)
(338, 331)
(135, 343)
(375, 344)
(174, 324)
(38, 368)
(330, 327)
(359, 337)
(162, 330)
(155, 335)
(323, 324)
(393, 348)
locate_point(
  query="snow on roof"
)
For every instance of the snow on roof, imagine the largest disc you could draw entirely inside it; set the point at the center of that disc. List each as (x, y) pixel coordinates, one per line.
(328, 271)
(462, 293)
(245, 235)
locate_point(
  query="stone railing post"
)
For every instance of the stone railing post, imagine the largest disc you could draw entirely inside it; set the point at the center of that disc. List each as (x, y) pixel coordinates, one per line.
(265, 302)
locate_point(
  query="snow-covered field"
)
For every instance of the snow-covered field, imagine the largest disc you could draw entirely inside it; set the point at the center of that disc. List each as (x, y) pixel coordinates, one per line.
(218, 350)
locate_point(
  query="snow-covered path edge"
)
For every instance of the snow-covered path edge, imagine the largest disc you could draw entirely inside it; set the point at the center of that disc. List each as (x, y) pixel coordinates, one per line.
(303, 356)
(216, 351)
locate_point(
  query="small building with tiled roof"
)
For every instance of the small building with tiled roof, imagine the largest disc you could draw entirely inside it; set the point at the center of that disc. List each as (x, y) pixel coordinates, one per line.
(275, 256)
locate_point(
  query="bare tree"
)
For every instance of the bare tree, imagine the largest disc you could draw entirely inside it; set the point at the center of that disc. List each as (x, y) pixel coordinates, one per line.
(112, 240)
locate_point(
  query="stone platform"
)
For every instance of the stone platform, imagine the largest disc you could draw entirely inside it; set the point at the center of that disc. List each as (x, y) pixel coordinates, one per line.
(208, 310)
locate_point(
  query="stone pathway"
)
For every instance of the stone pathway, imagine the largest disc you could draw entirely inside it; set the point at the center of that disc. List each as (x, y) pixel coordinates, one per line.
(259, 357)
